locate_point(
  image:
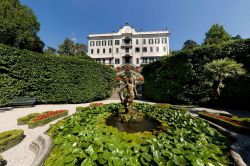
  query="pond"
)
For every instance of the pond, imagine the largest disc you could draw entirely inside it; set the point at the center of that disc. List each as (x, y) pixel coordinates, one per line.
(146, 124)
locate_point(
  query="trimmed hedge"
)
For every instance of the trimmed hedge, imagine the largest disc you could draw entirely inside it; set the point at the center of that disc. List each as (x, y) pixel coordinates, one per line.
(24, 120)
(52, 78)
(10, 138)
(34, 123)
(226, 124)
(180, 79)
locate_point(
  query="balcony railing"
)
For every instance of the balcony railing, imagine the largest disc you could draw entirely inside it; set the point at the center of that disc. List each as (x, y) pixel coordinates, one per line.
(126, 44)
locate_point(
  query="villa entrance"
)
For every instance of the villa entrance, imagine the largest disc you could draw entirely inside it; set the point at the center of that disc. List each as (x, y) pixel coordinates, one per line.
(127, 59)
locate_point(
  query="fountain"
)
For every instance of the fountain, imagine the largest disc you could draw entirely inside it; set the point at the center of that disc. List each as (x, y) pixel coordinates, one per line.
(130, 120)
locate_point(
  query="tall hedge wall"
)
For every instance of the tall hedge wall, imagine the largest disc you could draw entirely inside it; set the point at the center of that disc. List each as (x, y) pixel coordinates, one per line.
(51, 78)
(180, 78)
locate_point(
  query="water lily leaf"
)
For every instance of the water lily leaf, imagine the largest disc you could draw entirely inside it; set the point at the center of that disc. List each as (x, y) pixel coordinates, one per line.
(147, 156)
(106, 154)
(170, 163)
(90, 150)
(111, 146)
(179, 160)
(69, 158)
(198, 162)
(59, 161)
(177, 151)
(87, 162)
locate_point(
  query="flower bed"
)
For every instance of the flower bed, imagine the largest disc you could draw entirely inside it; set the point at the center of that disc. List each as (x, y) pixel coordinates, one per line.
(46, 117)
(10, 138)
(24, 120)
(85, 139)
(226, 121)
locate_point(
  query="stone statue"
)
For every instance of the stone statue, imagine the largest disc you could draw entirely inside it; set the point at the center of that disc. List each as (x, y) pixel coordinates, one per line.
(127, 94)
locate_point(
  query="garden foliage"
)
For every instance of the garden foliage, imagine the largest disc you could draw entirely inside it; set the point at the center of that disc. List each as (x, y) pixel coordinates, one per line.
(51, 78)
(10, 138)
(85, 139)
(181, 78)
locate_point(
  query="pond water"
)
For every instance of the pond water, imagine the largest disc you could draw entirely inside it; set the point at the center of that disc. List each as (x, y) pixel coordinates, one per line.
(145, 125)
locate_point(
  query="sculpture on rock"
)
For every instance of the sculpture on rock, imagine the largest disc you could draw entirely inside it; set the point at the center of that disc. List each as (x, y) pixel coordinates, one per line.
(127, 94)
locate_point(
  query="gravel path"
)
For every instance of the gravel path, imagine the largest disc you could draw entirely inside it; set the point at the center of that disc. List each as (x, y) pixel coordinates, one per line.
(20, 155)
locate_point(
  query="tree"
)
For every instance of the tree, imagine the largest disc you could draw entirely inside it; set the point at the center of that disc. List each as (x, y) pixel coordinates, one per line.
(50, 50)
(189, 44)
(216, 35)
(69, 47)
(19, 26)
(219, 70)
(236, 37)
(80, 49)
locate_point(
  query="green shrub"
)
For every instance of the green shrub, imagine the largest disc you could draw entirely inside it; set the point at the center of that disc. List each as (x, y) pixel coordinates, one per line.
(40, 120)
(51, 78)
(80, 108)
(180, 79)
(24, 120)
(10, 138)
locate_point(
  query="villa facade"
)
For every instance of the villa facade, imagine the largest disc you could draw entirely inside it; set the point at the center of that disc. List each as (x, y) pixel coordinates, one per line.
(128, 47)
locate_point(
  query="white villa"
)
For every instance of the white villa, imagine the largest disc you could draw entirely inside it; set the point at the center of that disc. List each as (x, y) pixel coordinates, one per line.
(128, 46)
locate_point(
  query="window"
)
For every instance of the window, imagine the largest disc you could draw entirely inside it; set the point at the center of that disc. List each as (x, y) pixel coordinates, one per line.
(92, 51)
(110, 50)
(144, 49)
(104, 51)
(117, 61)
(98, 60)
(151, 41)
(157, 49)
(110, 61)
(110, 42)
(145, 60)
(98, 43)
(151, 60)
(127, 50)
(137, 61)
(164, 49)
(151, 49)
(137, 41)
(117, 42)
(164, 40)
(137, 49)
(144, 41)
(157, 41)
(104, 43)
(117, 50)
(92, 43)
(98, 51)
(103, 61)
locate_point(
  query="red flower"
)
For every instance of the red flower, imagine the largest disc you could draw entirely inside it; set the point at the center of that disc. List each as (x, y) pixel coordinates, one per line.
(47, 114)
(118, 69)
(118, 78)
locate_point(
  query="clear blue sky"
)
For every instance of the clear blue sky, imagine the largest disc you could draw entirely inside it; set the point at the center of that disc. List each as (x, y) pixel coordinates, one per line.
(186, 19)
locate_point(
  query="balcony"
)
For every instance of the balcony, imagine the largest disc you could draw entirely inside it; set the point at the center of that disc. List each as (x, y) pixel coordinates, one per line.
(127, 42)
